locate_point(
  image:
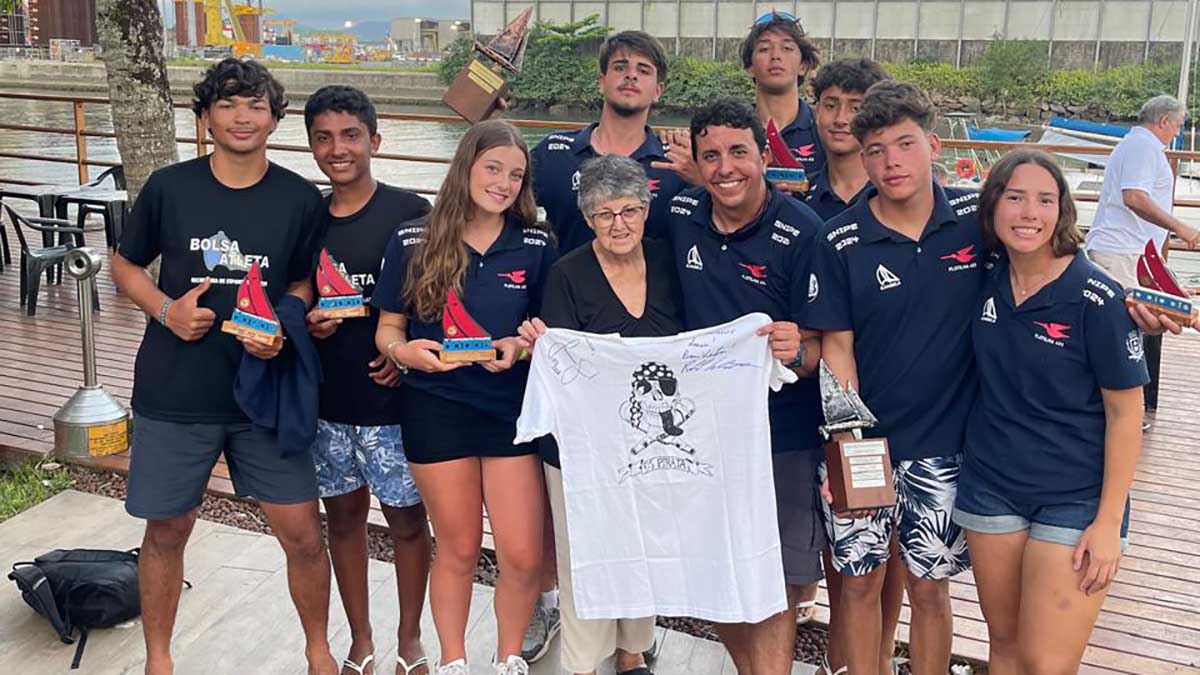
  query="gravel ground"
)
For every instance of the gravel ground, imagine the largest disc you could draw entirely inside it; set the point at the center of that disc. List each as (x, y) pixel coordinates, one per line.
(810, 639)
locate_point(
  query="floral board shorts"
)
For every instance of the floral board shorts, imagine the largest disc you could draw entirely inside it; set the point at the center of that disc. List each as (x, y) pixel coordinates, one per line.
(932, 545)
(348, 457)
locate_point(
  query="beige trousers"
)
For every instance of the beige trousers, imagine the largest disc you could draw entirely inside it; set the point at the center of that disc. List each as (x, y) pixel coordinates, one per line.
(1122, 267)
(587, 642)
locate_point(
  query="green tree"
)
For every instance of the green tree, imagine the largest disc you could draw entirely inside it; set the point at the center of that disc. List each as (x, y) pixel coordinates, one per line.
(1013, 70)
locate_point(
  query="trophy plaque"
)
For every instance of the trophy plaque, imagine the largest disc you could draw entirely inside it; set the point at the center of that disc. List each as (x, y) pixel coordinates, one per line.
(1159, 290)
(463, 340)
(483, 81)
(253, 318)
(340, 297)
(859, 469)
(784, 170)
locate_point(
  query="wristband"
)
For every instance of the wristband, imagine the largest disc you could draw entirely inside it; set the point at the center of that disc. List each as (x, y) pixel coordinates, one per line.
(162, 313)
(798, 362)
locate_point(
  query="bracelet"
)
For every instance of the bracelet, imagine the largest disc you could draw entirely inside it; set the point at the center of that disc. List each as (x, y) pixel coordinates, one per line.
(162, 313)
(390, 346)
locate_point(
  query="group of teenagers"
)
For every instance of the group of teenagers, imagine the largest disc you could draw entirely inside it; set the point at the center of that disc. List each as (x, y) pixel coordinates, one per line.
(1003, 366)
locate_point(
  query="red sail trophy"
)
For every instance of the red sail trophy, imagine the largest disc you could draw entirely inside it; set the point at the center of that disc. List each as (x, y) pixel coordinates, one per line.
(340, 297)
(253, 318)
(464, 341)
(1158, 289)
(784, 170)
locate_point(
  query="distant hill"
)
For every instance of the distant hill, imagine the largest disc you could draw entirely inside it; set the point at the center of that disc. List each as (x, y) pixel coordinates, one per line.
(367, 31)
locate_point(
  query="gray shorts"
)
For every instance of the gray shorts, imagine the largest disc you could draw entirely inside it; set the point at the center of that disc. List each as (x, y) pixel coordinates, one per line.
(801, 533)
(170, 465)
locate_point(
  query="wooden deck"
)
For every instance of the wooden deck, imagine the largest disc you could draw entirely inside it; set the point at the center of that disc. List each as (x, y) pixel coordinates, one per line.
(1150, 624)
(238, 617)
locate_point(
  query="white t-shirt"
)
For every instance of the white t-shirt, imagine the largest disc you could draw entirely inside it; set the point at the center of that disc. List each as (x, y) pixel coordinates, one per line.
(1137, 163)
(665, 448)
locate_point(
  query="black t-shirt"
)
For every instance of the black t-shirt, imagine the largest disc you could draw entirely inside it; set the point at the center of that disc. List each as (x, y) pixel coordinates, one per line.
(579, 297)
(357, 243)
(201, 229)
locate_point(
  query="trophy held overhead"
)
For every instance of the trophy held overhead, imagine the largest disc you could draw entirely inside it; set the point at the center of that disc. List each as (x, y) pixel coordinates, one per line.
(481, 84)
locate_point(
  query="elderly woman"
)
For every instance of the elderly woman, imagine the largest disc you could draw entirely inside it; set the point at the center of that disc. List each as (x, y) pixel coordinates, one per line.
(621, 284)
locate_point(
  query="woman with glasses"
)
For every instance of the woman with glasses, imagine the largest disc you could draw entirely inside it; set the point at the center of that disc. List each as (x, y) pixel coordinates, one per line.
(619, 283)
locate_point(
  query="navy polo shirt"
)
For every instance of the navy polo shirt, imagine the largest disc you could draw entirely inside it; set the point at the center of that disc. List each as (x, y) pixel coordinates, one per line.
(822, 199)
(501, 288)
(910, 305)
(1038, 426)
(556, 163)
(762, 267)
(801, 138)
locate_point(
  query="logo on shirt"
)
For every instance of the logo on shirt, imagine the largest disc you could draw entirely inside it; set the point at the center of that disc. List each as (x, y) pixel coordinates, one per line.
(652, 183)
(813, 287)
(805, 150)
(575, 182)
(516, 279)
(886, 278)
(963, 257)
(757, 273)
(1133, 344)
(1052, 333)
(693, 259)
(657, 411)
(221, 251)
(989, 311)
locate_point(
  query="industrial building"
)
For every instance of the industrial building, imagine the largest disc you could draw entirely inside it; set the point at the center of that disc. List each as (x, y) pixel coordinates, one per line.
(1077, 33)
(421, 36)
(37, 22)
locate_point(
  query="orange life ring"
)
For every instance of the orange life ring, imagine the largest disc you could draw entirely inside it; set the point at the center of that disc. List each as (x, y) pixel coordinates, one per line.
(965, 168)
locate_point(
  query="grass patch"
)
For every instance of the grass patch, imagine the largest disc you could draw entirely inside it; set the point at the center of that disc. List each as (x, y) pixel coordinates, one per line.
(28, 483)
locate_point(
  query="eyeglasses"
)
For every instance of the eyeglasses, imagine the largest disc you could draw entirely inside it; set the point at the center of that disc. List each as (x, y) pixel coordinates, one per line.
(771, 16)
(630, 214)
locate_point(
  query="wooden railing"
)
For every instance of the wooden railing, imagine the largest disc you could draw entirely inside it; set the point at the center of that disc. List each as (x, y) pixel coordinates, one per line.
(199, 140)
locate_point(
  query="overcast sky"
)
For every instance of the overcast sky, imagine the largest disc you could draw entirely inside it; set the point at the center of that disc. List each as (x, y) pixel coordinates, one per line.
(334, 12)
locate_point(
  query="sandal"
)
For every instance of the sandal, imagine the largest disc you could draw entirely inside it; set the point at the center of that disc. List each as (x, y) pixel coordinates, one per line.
(830, 671)
(423, 661)
(360, 668)
(803, 618)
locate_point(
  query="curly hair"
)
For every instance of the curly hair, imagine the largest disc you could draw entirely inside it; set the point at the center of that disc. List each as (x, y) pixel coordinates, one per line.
(727, 111)
(231, 77)
(853, 76)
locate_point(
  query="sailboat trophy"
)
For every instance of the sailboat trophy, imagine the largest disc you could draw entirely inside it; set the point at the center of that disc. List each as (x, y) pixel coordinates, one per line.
(483, 81)
(253, 317)
(1159, 290)
(784, 170)
(464, 341)
(859, 469)
(340, 298)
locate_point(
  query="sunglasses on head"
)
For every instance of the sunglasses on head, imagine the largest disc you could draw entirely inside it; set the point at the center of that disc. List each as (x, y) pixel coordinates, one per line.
(771, 16)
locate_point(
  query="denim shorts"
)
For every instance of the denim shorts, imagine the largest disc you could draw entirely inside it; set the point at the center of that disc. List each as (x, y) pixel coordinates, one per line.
(983, 507)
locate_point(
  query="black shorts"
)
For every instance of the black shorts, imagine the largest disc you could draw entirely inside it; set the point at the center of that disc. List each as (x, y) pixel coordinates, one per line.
(797, 499)
(170, 464)
(436, 429)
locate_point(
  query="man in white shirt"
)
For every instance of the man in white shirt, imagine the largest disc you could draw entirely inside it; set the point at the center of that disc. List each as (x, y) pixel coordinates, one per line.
(1135, 204)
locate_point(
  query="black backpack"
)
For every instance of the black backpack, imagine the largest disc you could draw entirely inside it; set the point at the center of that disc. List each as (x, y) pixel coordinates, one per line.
(81, 589)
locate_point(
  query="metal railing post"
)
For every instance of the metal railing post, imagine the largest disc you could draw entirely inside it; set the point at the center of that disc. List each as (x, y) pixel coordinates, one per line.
(81, 142)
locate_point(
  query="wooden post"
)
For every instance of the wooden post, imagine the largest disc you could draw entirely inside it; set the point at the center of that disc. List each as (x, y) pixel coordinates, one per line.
(200, 134)
(81, 142)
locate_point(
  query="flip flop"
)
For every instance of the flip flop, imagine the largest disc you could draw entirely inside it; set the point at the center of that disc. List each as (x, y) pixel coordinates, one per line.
(423, 661)
(802, 619)
(830, 671)
(361, 669)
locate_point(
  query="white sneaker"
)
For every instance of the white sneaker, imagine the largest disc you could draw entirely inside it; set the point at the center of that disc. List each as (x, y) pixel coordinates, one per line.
(455, 667)
(513, 665)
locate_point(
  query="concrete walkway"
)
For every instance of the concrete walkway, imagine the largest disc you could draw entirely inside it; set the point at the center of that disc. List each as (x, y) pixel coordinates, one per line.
(238, 617)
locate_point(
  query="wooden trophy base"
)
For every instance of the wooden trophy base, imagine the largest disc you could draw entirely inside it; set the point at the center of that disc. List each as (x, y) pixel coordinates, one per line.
(860, 474)
(788, 180)
(476, 91)
(347, 312)
(1173, 306)
(234, 328)
(467, 350)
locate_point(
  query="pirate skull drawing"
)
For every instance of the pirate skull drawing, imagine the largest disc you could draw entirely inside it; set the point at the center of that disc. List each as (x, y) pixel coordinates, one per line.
(656, 409)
